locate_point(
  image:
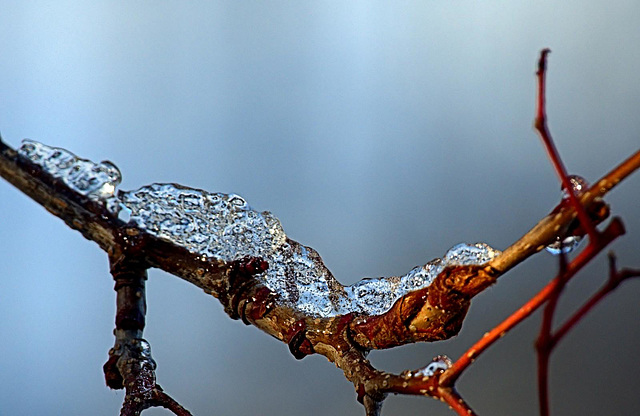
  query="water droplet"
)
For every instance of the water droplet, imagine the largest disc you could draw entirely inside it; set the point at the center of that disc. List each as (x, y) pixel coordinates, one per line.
(579, 185)
(144, 348)
(565, 246)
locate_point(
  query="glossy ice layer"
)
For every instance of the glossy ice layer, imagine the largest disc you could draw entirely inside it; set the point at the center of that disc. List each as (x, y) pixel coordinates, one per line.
(225, 227)
(97, 181)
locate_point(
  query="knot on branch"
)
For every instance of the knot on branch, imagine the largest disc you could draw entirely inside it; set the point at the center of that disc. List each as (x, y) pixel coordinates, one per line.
(297, 340)
(456, 285)
(242, 288)
(131, 366)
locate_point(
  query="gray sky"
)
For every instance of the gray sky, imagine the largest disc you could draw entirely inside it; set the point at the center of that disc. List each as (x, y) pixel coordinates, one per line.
(379, 133)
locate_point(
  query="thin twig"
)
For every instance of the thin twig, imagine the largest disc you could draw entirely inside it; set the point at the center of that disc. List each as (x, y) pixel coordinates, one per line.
(616, 277)
(456, 402)
(162, 399)
(542, 128)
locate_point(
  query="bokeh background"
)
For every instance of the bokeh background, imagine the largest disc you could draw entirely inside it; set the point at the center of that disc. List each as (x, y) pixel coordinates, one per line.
(379, 133)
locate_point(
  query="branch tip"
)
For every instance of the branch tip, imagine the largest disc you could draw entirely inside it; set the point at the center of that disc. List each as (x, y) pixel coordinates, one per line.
(542, 62)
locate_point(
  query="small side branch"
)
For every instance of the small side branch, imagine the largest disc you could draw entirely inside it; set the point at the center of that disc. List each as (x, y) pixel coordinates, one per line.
(130, 365)
(548, 339)
(616, 277)
(373, 385)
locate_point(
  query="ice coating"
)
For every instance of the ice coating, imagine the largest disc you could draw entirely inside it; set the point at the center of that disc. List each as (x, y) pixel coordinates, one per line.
(223, 226)
(97, 181)
(579, 185)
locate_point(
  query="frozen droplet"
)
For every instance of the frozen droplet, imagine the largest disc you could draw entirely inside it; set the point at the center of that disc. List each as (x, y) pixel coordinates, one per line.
(144, 348)
(566, 244)
(124, 213)
(437, 364)
(578, 184)
(97, 181)
(466, 254)
(237, 202)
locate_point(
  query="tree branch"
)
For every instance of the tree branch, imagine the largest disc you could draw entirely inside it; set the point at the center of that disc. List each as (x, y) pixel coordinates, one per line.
(430, 312)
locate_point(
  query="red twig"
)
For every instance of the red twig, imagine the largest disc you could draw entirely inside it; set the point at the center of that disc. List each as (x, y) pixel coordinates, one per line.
(615, 278)
(455, 401)
(547, 340)
(541, 126)
(552, 291)
(543, 346)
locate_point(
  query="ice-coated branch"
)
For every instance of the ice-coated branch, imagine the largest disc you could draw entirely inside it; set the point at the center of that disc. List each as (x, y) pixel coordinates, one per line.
(244, 258)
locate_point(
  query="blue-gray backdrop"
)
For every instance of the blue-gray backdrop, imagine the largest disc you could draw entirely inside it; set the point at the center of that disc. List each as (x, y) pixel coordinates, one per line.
(380, 133)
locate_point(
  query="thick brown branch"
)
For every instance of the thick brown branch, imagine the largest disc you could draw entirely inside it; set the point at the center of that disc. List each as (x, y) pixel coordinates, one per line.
(414, 317)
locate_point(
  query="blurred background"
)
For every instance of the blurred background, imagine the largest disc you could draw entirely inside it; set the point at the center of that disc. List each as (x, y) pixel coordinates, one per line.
(379, 133)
